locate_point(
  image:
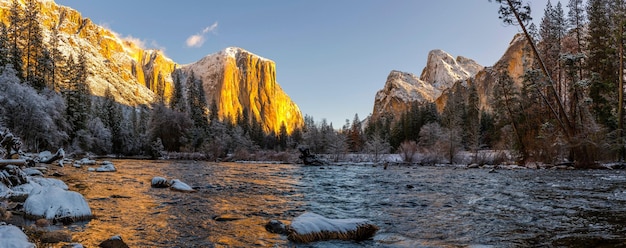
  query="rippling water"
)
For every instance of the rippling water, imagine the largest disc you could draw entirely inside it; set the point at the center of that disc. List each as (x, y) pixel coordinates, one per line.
(413, 206)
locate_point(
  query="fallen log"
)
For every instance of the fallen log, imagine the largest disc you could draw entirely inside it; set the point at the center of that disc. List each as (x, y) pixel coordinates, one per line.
(18, 162)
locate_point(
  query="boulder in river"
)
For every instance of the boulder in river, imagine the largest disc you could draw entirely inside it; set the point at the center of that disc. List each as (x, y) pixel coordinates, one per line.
(113, 242)
(57, 204)
(177, 185)
(106, 166)
(159, 182)
(310, 227)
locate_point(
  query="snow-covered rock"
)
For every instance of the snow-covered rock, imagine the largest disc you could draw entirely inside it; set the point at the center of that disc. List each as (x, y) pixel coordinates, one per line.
(159, 182)
(310, 227)
(13, 237)
(177, 185)
(56, 203)
(44, 155)
(4, 191)
(106, 166)
(85, 161)
(32, 172)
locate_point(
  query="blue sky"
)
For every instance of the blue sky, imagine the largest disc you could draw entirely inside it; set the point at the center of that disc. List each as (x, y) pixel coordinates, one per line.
(332, 56)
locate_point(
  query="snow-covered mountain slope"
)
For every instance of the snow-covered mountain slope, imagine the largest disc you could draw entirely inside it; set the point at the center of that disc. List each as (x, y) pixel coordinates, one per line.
(238, 81)
(440, 73)
(129, 71)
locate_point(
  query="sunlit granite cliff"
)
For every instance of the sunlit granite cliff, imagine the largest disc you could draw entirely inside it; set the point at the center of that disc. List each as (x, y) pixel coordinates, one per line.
(136, 75)
(241, 81)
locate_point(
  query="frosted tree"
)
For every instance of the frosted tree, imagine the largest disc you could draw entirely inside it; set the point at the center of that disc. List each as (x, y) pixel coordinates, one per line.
(34, 117)
(377, 146)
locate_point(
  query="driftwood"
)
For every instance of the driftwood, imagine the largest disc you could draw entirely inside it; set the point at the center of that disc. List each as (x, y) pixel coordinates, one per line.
(60, 154)
(18, 162)
(310, 159)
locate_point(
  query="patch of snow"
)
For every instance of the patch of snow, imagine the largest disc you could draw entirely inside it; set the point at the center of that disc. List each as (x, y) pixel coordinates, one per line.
(4, 191)
(54, 202)
(85, 161)
(32, 172)
(12, 236)
(44, 155)
(176, 184)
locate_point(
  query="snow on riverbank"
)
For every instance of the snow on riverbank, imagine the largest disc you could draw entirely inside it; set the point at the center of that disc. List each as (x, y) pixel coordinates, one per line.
(12, 236)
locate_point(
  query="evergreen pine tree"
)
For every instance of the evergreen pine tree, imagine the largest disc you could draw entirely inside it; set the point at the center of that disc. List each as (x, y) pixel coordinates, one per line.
(601, 62)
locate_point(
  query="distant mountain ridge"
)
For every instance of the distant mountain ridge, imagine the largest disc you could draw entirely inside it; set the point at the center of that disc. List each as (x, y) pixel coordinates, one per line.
(444, 75)
(402, 88)
(139, 76)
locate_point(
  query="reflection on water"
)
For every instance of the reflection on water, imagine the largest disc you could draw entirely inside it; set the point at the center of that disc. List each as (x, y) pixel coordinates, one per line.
(413, 206)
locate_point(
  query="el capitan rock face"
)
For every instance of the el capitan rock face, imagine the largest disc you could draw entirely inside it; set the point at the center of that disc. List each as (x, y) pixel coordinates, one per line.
(136, 76)
(443, 75)
(239, 81)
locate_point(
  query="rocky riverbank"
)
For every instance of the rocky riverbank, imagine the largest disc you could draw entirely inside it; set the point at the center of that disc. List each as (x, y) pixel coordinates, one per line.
(36, 205)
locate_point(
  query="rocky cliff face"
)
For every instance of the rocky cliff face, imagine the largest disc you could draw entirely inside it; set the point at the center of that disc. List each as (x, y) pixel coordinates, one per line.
(444, 75)
(402, 88)
(238, 81)
(129, 71)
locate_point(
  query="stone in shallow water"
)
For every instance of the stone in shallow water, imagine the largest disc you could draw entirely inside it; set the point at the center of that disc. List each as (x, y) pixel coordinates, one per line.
(159, 182)
(113, 242)
(56, 237)
(276, 226)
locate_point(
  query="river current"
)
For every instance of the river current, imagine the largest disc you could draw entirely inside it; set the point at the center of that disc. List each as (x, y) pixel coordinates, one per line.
(414, 206)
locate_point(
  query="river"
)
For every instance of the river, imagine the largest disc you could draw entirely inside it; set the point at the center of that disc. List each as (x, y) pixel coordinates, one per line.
(413, 206)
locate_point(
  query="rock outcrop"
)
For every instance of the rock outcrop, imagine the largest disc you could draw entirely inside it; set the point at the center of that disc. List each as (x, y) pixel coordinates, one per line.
(238, 80)
(402, 88)
(133, 74)
(444, 75)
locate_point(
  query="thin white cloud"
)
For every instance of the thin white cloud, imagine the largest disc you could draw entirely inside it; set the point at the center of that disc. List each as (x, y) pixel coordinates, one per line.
(197, 40)
(138, 42)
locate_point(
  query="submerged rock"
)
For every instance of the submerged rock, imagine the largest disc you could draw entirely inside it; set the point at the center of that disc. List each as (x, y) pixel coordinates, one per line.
(276, 226)
(56, 237)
